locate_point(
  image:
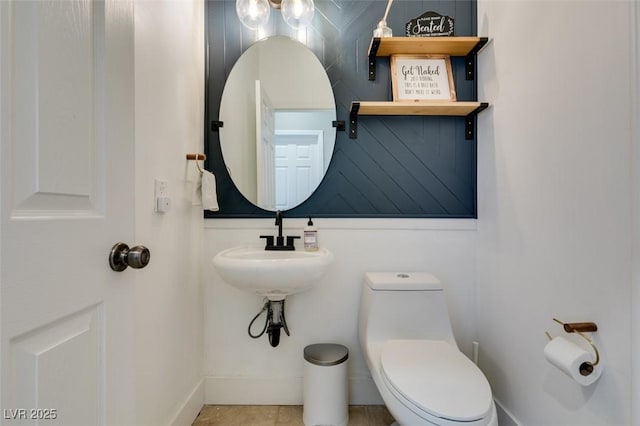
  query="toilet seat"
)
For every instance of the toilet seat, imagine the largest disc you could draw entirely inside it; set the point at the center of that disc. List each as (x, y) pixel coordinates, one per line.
(435, 378)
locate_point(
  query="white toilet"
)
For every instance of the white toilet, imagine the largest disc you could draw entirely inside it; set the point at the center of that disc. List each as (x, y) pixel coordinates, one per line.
(406, 337)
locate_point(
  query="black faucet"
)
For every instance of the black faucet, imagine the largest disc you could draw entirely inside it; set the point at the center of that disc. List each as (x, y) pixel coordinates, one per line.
(279, 238)
(280, 244)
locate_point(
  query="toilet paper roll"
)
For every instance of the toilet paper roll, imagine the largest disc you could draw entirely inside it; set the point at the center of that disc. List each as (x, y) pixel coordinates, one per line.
(572, 360)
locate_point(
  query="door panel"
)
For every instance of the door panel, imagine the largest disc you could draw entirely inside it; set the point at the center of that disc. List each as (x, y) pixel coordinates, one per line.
(54, 92)
(59, 359)
(298, 165)
(66, 172)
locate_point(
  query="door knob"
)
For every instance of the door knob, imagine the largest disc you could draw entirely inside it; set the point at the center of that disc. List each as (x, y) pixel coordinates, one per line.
(122, 256)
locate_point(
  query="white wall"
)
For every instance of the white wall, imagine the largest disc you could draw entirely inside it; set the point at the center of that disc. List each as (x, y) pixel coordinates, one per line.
(169, 121)
(635, 296)
(554, 195)
(243, 370)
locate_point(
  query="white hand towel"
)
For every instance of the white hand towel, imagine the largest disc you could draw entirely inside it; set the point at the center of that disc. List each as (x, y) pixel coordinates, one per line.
(209, 196)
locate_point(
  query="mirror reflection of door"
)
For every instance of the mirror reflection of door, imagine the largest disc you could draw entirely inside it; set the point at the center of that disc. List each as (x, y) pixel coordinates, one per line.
(277, 86)
(298, 166)
(265, 149)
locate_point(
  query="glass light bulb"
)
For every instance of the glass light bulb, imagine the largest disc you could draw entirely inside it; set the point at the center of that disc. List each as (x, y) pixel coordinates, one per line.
(297, 13)
(253, 13)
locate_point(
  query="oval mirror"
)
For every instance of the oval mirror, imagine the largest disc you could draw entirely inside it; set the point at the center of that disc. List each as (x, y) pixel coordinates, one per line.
(278, 111)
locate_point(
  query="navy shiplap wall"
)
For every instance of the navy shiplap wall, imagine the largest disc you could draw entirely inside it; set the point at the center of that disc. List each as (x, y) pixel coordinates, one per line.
(398, 166)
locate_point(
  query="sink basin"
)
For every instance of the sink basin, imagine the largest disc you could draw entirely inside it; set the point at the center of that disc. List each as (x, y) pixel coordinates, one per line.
(274, 274)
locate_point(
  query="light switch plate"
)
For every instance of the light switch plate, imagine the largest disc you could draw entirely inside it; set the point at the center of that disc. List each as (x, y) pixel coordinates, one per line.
(162, 201)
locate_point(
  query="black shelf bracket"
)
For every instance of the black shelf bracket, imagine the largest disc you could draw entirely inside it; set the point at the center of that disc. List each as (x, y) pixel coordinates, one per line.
(470, 59)
(339, 125)
(470, 121)
(353, 120)
(373, 51)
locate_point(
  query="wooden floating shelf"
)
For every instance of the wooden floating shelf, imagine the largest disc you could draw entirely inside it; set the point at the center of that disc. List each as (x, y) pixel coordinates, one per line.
(452, 46)
(440, 108)
(467, 47)
(458, 109)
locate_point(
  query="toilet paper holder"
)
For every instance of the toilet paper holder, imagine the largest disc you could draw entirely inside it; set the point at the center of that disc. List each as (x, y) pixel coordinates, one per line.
(580, 328)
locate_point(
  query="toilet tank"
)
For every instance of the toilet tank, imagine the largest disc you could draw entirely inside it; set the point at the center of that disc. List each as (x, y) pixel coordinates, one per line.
(407, 305)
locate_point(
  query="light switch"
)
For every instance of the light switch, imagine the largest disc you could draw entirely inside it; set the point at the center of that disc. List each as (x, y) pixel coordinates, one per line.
(161, 196)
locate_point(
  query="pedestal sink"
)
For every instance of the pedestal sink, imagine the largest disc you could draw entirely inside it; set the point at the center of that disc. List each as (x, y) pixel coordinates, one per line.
(274, 274)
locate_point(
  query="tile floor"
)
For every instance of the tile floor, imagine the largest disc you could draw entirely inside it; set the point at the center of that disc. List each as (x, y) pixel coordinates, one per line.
(283, 415)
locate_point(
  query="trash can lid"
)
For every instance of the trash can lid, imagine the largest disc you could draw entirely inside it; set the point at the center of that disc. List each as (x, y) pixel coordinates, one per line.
(326, 354)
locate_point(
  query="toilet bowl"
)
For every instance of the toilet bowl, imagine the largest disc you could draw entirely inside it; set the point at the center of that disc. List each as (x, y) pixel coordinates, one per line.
(406, 337)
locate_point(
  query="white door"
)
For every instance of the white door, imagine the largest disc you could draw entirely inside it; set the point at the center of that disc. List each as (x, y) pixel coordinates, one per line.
(299, 166)
(265, 149)
(66, 172)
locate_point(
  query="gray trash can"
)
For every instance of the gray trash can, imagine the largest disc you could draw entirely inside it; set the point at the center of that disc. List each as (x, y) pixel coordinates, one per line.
(326, 394)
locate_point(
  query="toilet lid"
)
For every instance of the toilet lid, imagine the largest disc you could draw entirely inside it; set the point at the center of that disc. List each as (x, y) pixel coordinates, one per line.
(437, 378)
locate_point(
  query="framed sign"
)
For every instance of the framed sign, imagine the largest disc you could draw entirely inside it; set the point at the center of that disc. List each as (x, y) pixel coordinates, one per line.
(429, 24)
(422, 77)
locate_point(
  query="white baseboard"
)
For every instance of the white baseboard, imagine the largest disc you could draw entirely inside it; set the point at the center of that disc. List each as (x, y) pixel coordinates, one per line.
(363, 391)
(190, 407)
(277, 391)
(505, 418)
(253, 390)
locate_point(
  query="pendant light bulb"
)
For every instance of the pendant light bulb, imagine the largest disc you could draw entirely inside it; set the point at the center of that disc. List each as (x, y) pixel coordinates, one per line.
(297, 13)
(253, 13)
